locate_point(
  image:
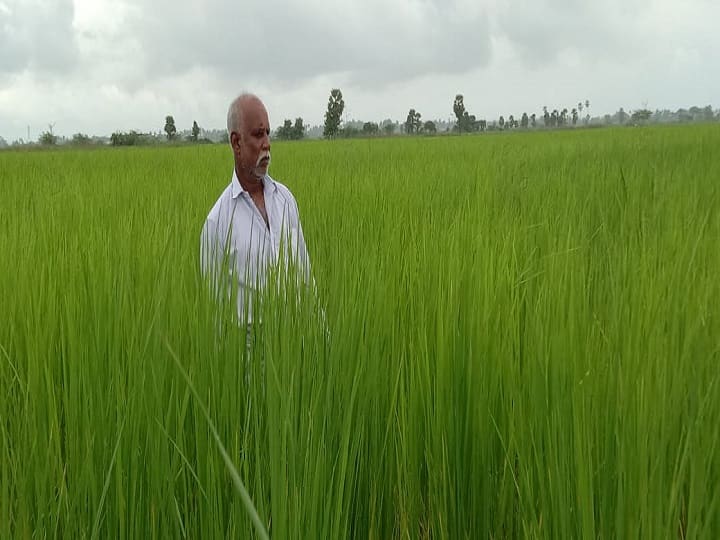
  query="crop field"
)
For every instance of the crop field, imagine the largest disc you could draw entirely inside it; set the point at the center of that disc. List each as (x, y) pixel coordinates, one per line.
(512, 336)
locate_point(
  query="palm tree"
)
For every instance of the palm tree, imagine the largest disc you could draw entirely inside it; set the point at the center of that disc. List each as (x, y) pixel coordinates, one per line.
(587, 106)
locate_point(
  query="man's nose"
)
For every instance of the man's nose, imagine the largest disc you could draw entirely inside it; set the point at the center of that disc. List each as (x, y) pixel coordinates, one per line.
(266, 142)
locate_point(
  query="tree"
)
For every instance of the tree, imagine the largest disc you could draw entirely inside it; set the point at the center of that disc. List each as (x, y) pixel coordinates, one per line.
(298, 130)
(524, 120)
(501, 122)
(641, 116)
(388, 127)
(290, 132)
(349, 131)
(460, 113)
(622, 116)
(80, 139)
(370, 128)
(195, 131)
(130, 138)
(532, 120)
(170, 129)
(546, 117)
(708, 115)
(469, 122)
(284, 133)
(3, 143)
(429, 127)
(412, 122)
(466, 122)
(574, 113)
(333, 115)
(47, 138)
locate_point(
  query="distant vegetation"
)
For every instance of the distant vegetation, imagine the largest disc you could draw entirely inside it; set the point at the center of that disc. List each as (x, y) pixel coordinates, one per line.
(576, 115)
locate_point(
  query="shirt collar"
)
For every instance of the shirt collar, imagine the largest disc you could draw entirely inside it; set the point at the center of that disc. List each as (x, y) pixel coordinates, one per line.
(237, 189)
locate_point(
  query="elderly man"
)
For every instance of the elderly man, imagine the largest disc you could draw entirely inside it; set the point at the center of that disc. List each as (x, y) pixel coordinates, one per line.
(255, 221)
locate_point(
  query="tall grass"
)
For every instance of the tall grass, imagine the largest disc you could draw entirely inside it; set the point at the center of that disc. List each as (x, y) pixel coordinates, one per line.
(521, 339)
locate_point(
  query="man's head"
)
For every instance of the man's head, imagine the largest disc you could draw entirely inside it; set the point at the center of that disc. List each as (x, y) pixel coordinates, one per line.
(249, 135)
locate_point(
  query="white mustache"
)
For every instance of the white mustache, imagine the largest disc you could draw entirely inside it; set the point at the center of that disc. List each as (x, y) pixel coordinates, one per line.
(261, 157)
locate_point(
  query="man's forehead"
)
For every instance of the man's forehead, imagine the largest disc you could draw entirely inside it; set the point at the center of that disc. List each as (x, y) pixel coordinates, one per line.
(254, 112)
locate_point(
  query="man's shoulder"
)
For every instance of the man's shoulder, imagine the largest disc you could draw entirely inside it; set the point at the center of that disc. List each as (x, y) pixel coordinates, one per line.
(281, 187)
(220, 205)
(283, 190)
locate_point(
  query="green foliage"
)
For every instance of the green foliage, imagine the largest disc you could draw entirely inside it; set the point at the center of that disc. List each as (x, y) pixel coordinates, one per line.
(195, 131)
(333, 115)
(131, 138)
(460, 112)
(298, 129)
(47, 138)
(388, 127)
(465, 122)
(413, 124)
(533, 354)
(429, 127)
(641, 115)
(284, 132)
(621, 116)
(370, 128)
(349, 132)
(170, 129)
(80, 139)
(290, 132)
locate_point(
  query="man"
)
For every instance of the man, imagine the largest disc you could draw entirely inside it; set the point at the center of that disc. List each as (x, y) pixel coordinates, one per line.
(255, 221)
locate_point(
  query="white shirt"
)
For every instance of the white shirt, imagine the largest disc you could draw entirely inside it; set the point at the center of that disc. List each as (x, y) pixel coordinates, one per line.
(236, 244)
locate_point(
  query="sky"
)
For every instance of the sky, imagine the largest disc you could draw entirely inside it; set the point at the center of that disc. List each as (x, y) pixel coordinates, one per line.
(99, 66)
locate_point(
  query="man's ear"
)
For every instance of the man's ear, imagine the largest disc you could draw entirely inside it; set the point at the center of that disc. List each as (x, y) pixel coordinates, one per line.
(235, 141)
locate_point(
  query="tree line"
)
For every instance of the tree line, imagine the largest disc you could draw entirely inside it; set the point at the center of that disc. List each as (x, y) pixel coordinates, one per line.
(334, 127)
(465, 122)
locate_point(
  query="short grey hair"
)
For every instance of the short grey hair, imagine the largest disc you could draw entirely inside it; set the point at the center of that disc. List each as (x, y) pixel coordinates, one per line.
(234, 115)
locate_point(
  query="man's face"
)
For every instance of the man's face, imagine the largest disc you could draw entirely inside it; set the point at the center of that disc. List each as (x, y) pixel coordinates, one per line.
(253, 141)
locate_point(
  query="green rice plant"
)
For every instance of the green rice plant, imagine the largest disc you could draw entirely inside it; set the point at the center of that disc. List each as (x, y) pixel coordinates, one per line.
(512, 335)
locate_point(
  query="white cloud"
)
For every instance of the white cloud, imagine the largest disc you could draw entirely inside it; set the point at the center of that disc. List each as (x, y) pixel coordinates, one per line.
(100, 65)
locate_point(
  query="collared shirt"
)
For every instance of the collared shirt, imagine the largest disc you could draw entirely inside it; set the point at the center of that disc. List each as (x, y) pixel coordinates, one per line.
(237, 244)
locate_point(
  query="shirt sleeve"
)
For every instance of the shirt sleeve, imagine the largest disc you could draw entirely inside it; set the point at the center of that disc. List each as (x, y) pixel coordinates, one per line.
(212, 252)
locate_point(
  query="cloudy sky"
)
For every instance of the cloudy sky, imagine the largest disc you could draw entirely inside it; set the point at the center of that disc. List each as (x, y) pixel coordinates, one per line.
(97, 66)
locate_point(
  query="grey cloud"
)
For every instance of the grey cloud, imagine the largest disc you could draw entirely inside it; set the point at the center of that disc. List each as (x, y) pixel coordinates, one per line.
(542, 29)
(38, 36)
(293, 41)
